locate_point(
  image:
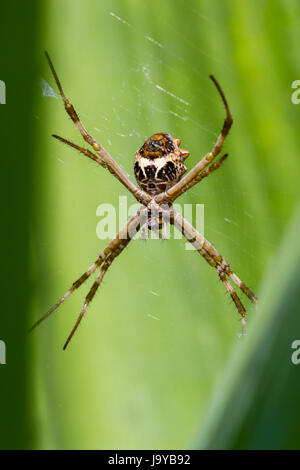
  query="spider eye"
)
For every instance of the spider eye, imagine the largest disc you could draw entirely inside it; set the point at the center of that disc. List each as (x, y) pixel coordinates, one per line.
(154, 145)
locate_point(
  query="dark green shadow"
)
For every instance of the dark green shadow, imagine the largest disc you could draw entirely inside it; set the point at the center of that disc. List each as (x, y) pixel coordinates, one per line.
(18, 69)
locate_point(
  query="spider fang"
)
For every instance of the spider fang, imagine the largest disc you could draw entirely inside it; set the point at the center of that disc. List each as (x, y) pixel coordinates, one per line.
(159, 163)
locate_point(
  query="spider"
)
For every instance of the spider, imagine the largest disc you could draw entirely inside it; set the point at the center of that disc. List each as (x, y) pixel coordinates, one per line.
(159, 167)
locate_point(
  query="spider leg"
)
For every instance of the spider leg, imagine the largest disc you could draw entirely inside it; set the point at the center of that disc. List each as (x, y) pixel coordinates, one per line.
(74, 286)
(116, 245)
(114, 254)
(211, 250)
(203, 174)
(210, 254)
(85, 152)
(233, 295)
(140, 195)
(222, 275)
(180, 187)
(227, 269)
(163, 234)
(210, 169)
(92, 292)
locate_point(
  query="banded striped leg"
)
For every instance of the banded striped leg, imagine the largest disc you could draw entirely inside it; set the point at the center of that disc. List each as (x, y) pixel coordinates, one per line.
(95, 286)
(140, 195)
(122, 238)
(227, 269)
(210, 254)
(132, 230)
(85, 152)
(180, 187)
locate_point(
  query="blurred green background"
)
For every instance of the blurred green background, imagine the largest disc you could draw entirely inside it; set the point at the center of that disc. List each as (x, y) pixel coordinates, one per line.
(158, 362)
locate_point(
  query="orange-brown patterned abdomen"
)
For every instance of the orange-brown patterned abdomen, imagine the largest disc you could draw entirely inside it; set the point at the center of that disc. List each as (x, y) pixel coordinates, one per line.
(159, 163)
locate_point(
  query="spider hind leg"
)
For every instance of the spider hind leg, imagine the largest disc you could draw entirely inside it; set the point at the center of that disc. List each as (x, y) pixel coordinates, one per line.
(214, 259)
(113, 249)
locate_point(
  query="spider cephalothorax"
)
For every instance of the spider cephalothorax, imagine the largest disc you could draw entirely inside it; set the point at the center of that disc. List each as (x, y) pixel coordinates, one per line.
(158, 169)
(159, 163)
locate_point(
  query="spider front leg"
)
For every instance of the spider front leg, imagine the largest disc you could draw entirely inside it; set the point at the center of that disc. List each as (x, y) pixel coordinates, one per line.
(114, 168)
(201, 176)
(131, 231)
(95, 286)
(84, 151)
(191, 178)
(113, 249)
(214, 259)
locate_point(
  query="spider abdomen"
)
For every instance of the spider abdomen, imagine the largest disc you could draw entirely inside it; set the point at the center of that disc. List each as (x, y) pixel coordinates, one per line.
(159, 163)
